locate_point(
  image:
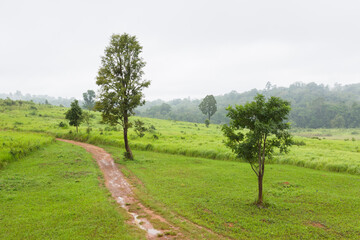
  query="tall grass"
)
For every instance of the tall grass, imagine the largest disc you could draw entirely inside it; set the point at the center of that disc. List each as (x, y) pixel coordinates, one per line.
(15, 145)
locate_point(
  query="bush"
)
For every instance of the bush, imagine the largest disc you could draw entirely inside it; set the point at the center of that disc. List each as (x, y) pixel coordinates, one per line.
(63, 125)
(207, 122)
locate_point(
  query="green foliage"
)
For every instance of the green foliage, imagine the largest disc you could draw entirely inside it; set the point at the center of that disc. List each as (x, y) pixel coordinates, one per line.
(266, 130)
(74, 115)
(313, 105)
(208, 106)
(338, 122)
(63, 125)
(207, 122)
(159, 111)
(120, 79)
(89, 99)
(140, 129)
(87, 116)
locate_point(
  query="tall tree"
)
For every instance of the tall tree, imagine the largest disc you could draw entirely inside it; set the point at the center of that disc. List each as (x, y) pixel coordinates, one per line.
(89, 99)
(208, 106)
(74, 115)
(265, 122)
(121, 80)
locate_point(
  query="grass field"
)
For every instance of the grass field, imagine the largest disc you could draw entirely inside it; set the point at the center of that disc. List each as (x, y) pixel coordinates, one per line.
(15, 145)
(55, 193)
(59, 182)
(302, 203)
(335, 150)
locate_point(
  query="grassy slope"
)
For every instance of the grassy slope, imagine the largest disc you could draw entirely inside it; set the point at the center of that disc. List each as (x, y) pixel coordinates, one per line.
(304, 203)
(219, 194)
(15, 145)
(331, 153)
(54, 193)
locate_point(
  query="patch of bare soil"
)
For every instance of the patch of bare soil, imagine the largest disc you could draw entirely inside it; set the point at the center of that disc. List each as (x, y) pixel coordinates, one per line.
(318, 225)
(121, 191)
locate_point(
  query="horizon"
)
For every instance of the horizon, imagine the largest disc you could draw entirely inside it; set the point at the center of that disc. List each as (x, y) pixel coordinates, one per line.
(191, 48)
(187, 97)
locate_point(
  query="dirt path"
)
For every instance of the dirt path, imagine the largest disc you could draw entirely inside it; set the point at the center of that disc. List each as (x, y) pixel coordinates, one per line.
(121, 191)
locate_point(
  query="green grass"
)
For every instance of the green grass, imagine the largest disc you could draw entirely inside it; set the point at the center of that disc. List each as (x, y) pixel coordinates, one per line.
(58, 187)
(55, 193)
(15, 145)
(335, 150)
(303, 203)
(325, 154)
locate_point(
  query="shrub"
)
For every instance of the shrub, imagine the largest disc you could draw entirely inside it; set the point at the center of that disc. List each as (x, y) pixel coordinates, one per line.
(63, 125)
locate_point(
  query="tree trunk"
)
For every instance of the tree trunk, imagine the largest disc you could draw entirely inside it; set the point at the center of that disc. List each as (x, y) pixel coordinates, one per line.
(260, 197)
(77, 129)
(129, 154)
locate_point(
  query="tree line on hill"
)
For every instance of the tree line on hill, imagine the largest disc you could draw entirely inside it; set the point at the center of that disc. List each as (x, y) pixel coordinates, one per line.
(313, 105)
(42, 99)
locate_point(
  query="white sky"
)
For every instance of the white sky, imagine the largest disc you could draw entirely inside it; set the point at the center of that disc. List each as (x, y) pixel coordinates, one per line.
(192, 48)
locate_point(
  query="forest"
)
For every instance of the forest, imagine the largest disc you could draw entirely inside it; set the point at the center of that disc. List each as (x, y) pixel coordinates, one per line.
(313, 105)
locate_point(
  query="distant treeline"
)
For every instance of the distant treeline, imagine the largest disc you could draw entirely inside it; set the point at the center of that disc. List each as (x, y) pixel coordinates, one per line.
(313, 105)
(44, 99)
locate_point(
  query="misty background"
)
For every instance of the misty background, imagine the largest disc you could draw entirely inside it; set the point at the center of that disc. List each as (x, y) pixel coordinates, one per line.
(192, 48)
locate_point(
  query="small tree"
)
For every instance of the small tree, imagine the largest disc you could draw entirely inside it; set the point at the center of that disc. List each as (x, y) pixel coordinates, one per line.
(208, 106)
(87, 119)
(207, 122)
(267, 129)
(140, 129)
(74, 115)
(120, 79)
(89, 100)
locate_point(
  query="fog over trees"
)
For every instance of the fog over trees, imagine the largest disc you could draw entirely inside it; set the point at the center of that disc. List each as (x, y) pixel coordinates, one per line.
(313, 105)
(39, 98)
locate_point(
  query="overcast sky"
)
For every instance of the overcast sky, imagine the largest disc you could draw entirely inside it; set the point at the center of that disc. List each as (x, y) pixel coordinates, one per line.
(192, 48)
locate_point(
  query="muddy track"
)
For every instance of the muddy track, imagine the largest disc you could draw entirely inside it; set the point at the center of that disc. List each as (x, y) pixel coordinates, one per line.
(121, 191)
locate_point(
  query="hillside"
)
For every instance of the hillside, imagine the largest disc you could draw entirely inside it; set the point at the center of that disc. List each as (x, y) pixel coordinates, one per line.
(313, 105)
(184, 138)
(182, 171)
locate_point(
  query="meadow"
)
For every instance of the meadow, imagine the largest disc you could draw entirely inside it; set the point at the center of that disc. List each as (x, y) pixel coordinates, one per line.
(15, 145)
(55, 193)
(301, 203)
(335, 150)
(182, 171)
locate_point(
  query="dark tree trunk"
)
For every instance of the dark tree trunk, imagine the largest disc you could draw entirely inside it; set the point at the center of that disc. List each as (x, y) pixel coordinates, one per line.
(129, 154)
(260, 183)
(77, 129)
